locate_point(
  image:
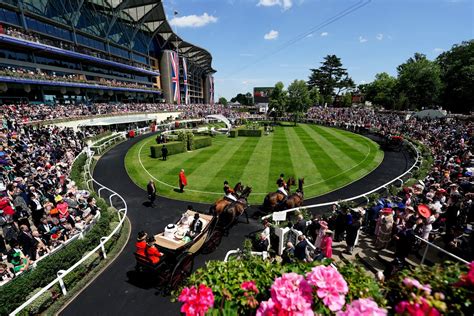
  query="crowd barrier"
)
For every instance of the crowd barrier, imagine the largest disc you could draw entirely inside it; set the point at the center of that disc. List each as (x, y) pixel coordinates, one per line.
(122, 213)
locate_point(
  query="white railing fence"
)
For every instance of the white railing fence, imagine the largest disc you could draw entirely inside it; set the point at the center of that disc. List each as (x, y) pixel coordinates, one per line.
(237, 253)
(429, 245)
(120, 205)
(99, 149)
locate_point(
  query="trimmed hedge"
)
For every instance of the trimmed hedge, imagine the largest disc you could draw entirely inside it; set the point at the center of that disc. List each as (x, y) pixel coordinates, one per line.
(201, 142)
(173, 148)
(233, 133)
(250, 132)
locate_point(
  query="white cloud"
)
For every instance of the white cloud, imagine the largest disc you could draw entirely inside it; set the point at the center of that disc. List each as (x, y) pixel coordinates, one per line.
(324, 34)
(362, 39)
(309, 35)
(285, 4)
(438, 50)
(193, 20)
(379, 36)
(271, 35)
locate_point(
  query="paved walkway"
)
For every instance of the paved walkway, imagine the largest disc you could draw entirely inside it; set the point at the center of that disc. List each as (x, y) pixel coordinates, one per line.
(113, 293)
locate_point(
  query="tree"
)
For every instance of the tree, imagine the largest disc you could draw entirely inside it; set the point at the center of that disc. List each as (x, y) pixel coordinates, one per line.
(278, 99)
(457, 77)
(331, 78)
(243, 99)
(298, 98)
(382, 91)
(314, 96)
(419, 80)
(223, 101)
(347, 99)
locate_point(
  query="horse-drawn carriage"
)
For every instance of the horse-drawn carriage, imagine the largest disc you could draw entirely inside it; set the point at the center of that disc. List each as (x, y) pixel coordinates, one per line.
(178, 250)
(393, 143)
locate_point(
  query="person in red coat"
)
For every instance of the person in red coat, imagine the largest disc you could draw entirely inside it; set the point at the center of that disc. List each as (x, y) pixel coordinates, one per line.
(182, 181)
(151, 252)
(326, 246)
(141, 243)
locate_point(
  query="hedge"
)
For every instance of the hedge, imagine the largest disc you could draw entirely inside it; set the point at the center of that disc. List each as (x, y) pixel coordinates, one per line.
(250, 132)
(233, 133)
(201, 142)
(173, 148)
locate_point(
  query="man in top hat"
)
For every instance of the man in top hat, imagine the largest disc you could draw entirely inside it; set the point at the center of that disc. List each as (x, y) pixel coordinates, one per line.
(151, 252)
(229, 192)
(196, 226)
(140, 245)
(282, 187)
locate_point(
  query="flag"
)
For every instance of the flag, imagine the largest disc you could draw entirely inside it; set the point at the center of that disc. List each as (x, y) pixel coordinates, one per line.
(211, 90)
(185, 81)
(175, 76)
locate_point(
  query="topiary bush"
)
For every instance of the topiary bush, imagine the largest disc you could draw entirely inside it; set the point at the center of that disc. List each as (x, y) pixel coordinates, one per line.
(173, 148)
(250, 132)
(201, 142)
(233, 133)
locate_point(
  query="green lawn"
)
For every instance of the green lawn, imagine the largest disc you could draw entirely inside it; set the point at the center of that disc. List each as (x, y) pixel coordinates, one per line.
(327, 158)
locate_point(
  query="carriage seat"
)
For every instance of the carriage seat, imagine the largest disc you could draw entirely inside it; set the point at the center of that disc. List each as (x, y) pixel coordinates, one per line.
(145, 262)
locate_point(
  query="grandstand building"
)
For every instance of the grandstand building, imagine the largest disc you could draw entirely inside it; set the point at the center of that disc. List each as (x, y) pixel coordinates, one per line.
(98, 51)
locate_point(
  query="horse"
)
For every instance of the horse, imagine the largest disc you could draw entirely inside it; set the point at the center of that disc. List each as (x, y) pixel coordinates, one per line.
(295, 199)
(273, 199)
(230, 214)
(222, 203)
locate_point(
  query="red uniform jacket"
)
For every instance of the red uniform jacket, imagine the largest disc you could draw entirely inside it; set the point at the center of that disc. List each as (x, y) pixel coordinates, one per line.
(153, 254)
(182, 178)
(140, 245)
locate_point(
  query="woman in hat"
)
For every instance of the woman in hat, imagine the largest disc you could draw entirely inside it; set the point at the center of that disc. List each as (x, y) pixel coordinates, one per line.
(140, 245)
(321, 233)
(326, 246)
(385, 228)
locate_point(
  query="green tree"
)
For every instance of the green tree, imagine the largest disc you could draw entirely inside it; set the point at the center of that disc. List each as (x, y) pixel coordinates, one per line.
(278, 99)
(457, 76)
(382, 91)
(419, 80)
(347, 99)
(298, 98)
(223, 101)
(314, 96)
(331, 78)
(243, 99)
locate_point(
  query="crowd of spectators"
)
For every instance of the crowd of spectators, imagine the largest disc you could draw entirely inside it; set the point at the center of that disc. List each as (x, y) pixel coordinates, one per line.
(37, 74)
(437, 207)
(34, 37)
(40, 207)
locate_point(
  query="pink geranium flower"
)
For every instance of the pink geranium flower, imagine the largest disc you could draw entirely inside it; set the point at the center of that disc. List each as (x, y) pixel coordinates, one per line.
(290, 295)
(249, 286)
(420, 308)
(363, 307)
(330, 286)
(196, 301)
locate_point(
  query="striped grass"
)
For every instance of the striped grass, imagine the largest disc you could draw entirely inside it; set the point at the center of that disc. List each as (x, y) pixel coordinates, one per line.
(327, 158)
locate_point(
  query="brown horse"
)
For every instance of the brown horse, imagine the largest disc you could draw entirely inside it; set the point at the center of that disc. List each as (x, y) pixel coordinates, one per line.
(232, 212)
(295, 199)
(273, 199)
(222, 203)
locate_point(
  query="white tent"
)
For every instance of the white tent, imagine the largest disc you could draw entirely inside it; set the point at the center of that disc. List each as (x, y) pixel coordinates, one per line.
(430, 114)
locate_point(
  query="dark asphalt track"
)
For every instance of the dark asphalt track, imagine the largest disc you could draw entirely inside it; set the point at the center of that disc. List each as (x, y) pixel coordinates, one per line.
(112, 293)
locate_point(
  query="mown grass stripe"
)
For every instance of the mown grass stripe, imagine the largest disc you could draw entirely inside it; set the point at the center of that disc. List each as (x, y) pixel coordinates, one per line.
(231, 168)
(281, 159)
(346, 149)
(256, 172)
(346, 136)
(302, 160)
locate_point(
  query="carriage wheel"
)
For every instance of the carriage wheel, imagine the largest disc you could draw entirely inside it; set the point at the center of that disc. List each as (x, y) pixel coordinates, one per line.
(213, 242)
(182, 269)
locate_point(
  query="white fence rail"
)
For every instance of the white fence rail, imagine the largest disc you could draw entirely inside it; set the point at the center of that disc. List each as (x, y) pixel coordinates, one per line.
(429, 244)
(237, 252)
(122, 213)
(99, 149)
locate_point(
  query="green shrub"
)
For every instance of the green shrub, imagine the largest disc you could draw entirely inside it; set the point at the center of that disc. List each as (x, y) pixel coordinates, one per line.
(173, 148)
(233, 133)
(250, 132)
(42, 302)
(201, 142)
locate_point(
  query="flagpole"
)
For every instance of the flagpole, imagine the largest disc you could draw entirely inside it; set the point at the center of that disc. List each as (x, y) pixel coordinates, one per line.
(177, 57)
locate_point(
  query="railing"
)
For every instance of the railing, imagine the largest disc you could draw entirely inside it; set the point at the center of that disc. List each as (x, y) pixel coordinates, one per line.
(122, 213)
(429, 244)
(99, 149)
(237, 252)
(415, 166)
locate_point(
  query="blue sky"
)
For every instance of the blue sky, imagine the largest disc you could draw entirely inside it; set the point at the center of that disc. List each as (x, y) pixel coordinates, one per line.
(248, 39)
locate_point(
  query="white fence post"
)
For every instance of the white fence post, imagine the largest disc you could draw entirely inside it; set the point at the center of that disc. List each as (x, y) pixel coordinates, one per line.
(60, 273)
(102, 246)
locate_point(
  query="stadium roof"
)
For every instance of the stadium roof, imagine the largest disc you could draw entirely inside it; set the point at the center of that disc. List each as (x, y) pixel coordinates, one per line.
(149, 15)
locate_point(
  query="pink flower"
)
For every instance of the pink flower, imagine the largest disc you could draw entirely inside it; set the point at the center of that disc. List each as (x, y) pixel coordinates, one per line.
(331, 286)
(249, 286)
(363, 307)
(290, 295)
(416, 309)
(196, 301)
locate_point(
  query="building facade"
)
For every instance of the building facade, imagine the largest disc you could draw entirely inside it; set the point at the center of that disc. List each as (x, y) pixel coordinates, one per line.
(97, 51)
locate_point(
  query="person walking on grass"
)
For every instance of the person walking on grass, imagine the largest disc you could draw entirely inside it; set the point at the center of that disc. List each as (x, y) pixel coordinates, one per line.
(151, 190)
(164, 152)
(182, 181)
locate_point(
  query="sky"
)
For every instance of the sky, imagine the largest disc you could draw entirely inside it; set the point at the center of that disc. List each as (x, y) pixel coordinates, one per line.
(256, 43)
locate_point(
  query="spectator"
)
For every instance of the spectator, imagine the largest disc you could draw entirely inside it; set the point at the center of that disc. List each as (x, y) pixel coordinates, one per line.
(182, 181)
(326, 246)
(151, 190)
(288, 255)
(300, 224)
(301, 251)
(164, 152)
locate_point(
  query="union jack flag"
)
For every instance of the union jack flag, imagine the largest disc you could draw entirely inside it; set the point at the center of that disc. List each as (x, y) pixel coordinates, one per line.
(175, 77)
(185, 81)
(211, 90)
